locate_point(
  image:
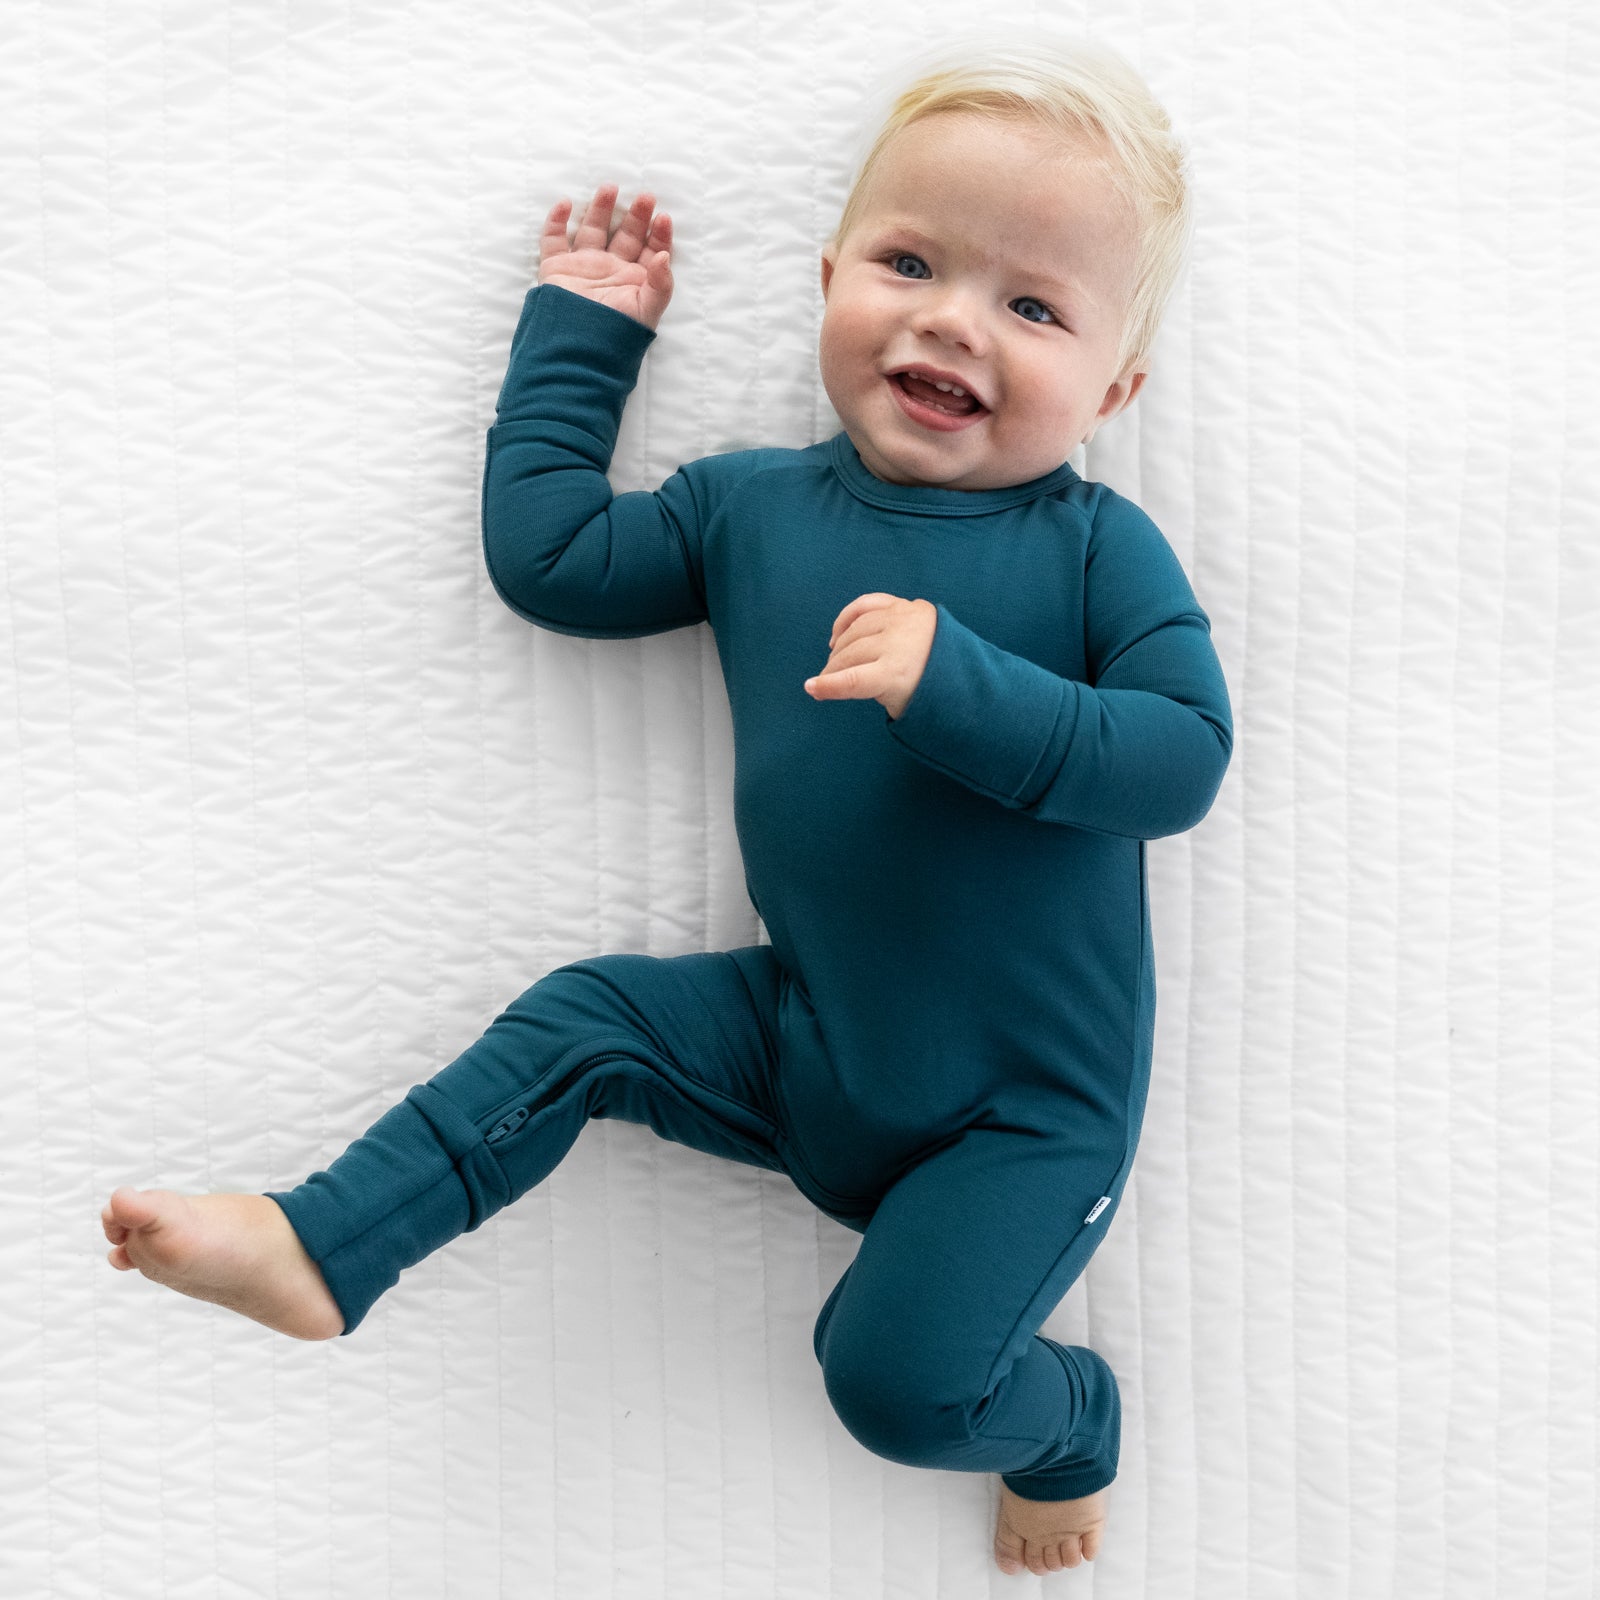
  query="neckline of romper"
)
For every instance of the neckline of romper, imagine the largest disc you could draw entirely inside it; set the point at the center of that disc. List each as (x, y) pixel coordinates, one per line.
(930, 502)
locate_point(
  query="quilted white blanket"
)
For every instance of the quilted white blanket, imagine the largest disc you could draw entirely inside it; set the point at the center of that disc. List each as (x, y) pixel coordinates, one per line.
(292, 804)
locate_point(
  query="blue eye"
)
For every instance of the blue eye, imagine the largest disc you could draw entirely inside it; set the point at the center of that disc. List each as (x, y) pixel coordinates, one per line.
(1028, 300)
(906, 256)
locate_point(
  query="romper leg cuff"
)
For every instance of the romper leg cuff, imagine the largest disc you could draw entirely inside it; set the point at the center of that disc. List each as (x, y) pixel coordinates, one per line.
(1087, 1462)
(418, 1177)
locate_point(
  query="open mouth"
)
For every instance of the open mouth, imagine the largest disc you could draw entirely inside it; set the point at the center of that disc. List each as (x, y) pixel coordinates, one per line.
(941, 409)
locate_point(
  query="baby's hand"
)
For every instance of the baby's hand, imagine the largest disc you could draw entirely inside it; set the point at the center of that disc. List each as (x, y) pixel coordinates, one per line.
(878, 651)
(628, 270)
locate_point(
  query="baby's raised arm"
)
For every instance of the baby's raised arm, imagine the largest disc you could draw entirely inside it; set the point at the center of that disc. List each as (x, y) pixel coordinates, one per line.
(562, 550)
(629, 269)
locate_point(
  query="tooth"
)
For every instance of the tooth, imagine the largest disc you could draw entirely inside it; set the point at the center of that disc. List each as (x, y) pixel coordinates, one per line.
(955, 388)
(945, 387)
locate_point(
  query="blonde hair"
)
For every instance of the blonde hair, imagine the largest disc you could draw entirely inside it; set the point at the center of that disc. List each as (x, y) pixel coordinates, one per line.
(1085, 94)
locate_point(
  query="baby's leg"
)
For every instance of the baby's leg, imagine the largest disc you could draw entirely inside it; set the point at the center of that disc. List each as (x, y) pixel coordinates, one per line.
(682, 1044)
(929, 1343)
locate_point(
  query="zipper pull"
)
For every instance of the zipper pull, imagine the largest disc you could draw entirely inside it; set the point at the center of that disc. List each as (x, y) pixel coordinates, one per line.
(507, 1125)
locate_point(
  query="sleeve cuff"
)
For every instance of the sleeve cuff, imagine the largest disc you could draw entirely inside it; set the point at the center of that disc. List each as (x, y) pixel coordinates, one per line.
(997, 721)
(561, 335)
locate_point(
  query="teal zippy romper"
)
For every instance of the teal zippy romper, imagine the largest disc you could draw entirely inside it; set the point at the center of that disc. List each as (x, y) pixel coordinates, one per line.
(947, 1043)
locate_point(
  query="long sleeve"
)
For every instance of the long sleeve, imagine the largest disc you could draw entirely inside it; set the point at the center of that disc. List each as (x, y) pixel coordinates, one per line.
(561, 549)
(1138, 750)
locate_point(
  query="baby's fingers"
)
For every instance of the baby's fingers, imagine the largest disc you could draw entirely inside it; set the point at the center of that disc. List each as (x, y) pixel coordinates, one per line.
(657, 258)
(660, 238)
(840, 683)
(553, 240)
(860, 606)
(630, 239)
(594, 231)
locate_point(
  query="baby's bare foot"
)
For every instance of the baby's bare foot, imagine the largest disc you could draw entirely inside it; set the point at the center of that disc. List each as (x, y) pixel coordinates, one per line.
(235, 1250)
(1047, 1535)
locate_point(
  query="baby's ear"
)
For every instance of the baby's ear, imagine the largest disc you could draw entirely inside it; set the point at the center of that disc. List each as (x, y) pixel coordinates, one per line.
(827, 270)
(1118, 398)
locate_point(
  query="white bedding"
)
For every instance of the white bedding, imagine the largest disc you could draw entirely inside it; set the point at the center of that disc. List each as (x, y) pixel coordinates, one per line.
(293, 804)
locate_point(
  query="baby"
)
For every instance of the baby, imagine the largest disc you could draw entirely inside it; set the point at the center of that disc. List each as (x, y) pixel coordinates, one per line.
(966, 687)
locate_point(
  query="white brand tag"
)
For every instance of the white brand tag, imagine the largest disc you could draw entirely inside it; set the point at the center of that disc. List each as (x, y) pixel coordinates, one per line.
(1099, 1206)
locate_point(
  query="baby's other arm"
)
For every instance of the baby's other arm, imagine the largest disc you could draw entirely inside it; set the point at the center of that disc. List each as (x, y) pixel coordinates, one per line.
(1138, 749)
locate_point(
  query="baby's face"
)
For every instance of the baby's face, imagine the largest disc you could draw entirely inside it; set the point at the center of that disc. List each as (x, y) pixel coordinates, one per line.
(988, 256)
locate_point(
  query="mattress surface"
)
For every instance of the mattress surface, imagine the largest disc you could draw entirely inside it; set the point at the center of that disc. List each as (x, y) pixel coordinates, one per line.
(292, 805)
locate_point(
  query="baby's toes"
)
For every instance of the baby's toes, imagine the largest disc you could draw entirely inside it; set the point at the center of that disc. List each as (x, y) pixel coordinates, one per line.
(136, 1208)
(1008, 1552)
(120, 1259)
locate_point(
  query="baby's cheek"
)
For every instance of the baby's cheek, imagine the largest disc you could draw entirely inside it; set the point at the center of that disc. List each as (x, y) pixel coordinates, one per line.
(831, 364)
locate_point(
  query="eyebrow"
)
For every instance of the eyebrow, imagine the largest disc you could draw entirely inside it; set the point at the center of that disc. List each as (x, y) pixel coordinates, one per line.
(1073, 287)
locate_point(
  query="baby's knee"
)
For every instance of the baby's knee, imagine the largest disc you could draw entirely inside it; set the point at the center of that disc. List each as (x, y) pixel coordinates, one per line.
(896, 1412)
(598, 991)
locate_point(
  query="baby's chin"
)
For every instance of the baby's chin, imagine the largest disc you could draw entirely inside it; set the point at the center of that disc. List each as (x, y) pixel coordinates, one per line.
(903, 468)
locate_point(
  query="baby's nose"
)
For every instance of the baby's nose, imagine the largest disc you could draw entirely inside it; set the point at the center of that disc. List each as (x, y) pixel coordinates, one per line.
(955, 316)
